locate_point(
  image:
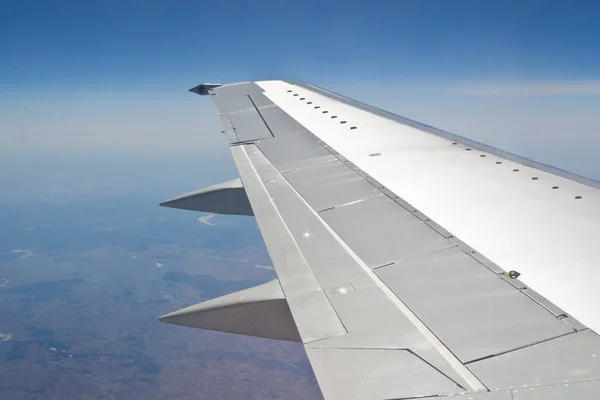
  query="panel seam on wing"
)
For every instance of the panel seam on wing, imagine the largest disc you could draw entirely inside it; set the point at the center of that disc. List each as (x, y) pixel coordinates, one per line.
(522, 347)
(446, 353)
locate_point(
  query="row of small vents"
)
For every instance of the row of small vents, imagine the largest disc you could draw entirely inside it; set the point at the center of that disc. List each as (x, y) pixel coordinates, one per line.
(317, 107)
(533, 178)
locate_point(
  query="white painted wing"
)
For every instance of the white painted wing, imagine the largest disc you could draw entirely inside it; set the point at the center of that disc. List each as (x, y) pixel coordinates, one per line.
(397, 248)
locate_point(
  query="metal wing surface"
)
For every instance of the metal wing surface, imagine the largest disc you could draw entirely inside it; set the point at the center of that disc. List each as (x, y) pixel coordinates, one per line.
(411, 262)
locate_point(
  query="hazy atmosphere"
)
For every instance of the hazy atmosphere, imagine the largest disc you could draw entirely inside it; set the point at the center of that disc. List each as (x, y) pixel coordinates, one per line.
(97, 128)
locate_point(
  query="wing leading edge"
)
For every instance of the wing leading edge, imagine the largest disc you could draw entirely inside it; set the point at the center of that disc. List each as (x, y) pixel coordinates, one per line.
(388, 302)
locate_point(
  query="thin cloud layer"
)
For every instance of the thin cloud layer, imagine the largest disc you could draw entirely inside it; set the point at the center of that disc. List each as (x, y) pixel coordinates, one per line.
(549, 88)
(206, 220)
(5, 337)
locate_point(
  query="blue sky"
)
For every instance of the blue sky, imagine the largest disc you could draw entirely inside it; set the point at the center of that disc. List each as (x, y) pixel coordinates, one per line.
(111, 77)
(108, 44)
(75, 44)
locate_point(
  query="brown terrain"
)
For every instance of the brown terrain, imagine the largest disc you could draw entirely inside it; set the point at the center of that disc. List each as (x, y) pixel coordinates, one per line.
(78, 319)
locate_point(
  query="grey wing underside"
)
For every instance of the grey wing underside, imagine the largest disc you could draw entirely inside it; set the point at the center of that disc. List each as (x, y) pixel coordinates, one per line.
(421, 315)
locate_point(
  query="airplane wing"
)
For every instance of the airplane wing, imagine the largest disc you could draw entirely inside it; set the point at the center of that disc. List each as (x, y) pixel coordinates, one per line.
(411, 262)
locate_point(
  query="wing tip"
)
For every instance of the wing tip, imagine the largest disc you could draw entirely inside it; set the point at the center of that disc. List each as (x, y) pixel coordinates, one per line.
(204, 88)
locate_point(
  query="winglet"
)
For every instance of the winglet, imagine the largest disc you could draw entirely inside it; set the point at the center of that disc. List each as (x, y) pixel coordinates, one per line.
(260, 311)
(204, 88)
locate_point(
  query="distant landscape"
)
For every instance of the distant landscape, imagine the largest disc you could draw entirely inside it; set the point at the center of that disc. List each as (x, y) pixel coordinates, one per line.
(81, 285)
